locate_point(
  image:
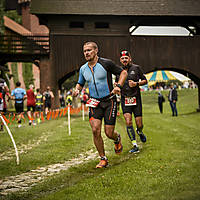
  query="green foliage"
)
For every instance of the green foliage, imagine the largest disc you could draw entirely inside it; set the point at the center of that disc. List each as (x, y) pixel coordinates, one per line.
(14, 68)
(167, 167)
(71, 81)
(27, 74)
(11, 14)
(1, 16)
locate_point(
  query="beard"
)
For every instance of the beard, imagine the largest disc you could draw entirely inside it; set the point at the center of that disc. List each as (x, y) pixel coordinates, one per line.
(89, 58)
(126, 65)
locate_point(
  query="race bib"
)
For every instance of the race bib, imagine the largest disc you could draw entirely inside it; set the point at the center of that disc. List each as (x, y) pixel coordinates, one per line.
(92, 103)
(130, 101)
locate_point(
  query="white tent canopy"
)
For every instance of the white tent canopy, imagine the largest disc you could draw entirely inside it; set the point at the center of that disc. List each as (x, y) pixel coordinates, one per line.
(179, 76)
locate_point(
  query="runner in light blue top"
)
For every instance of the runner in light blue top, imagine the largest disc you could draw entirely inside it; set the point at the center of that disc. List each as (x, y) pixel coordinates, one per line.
(19, 94)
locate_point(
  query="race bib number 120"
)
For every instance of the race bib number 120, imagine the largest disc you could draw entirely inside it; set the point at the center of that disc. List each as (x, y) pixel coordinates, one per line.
(130, 101)
(92, 103)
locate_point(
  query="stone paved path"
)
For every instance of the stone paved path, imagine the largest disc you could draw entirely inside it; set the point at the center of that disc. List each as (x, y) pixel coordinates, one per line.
(25, 181)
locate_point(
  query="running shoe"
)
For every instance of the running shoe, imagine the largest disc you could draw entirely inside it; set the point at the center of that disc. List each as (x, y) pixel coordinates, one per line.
(102, 164)
(118, 145)
(142, 136)
(135, 149)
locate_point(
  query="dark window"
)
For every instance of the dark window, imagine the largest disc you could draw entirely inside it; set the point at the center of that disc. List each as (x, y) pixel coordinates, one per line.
(101, 25)
(76, 25)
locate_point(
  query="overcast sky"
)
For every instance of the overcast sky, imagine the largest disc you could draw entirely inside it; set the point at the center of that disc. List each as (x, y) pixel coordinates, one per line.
(160, 30)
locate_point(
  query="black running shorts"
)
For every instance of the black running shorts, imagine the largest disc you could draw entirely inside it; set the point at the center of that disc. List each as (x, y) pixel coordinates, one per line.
(105, 109)
(136, 110)
(47, 104)
(19, 107)
(29, 108)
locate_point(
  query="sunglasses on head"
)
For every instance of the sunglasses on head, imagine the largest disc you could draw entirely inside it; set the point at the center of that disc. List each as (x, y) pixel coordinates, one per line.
(124, 53)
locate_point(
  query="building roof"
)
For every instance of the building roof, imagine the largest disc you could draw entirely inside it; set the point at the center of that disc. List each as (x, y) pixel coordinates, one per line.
(117, 7)
(17, 28)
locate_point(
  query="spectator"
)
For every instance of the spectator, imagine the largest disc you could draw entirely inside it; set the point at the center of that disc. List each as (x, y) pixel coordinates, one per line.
(173, 97)
(161, 100)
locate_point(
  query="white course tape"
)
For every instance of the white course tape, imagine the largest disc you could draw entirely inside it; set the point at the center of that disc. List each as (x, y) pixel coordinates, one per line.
(10, 134)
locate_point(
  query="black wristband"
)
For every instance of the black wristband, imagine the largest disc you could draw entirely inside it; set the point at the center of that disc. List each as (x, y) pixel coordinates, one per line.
(118, 85)
(138, 84)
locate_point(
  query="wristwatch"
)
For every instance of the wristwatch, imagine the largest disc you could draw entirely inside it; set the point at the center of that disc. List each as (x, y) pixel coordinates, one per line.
(118, 85)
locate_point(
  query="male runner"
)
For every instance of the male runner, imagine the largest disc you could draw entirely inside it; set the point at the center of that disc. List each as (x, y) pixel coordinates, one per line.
(47, 97)
(19, 95)
(3, 90)
(131, 98)
(97, 72)
(39, 104)
(31, 104)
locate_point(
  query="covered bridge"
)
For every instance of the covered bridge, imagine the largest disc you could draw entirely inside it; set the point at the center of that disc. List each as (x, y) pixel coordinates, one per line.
(107, 22)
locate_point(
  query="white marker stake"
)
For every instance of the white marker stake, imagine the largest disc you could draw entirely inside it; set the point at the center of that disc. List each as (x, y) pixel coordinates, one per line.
(69, 128)
(13, 141)
(83, 111)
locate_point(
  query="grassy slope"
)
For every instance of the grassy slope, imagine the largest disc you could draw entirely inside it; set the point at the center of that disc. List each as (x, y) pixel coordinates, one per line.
(167, 167)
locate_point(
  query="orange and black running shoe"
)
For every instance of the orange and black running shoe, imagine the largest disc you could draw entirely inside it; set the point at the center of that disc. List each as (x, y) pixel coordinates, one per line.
(118, 145)
(103, 163)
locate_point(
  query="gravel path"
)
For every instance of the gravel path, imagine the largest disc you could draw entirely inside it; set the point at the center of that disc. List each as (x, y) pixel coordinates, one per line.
(25, 181)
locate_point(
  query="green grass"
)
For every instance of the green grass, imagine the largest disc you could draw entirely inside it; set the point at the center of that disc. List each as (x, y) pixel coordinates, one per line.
(167, 167)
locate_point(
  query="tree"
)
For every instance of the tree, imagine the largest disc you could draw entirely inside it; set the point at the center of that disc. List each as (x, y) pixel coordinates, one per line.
(11, 14)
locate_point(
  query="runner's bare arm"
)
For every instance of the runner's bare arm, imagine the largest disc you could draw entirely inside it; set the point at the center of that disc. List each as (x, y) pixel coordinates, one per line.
(77, 89)
(139, 83)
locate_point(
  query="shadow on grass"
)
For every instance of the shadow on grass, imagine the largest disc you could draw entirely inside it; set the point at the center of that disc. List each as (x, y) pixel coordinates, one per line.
(190, 113)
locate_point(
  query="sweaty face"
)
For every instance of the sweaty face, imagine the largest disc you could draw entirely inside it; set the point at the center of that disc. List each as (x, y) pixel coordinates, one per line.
(89, 52)
(125, 60)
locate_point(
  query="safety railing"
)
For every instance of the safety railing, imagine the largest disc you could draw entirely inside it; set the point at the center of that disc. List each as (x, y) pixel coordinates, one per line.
(24, 44)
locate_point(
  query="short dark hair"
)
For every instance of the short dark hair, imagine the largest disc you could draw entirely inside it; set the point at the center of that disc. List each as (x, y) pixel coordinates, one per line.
(94, 45)
(18, 83)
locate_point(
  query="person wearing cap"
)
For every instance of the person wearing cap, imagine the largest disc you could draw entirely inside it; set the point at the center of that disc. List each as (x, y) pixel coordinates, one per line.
(131, 101)
(97, 72)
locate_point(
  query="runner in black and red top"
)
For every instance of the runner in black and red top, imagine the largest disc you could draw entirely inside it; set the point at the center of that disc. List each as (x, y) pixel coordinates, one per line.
(131, 98)
(97, 72)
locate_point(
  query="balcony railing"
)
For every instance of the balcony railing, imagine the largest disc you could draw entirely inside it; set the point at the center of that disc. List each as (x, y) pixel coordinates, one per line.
(26, 44)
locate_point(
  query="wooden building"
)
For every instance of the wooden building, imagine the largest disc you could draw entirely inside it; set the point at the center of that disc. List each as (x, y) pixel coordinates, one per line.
(107, 22)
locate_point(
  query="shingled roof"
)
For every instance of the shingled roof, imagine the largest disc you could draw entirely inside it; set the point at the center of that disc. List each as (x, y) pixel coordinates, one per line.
(117, 7)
